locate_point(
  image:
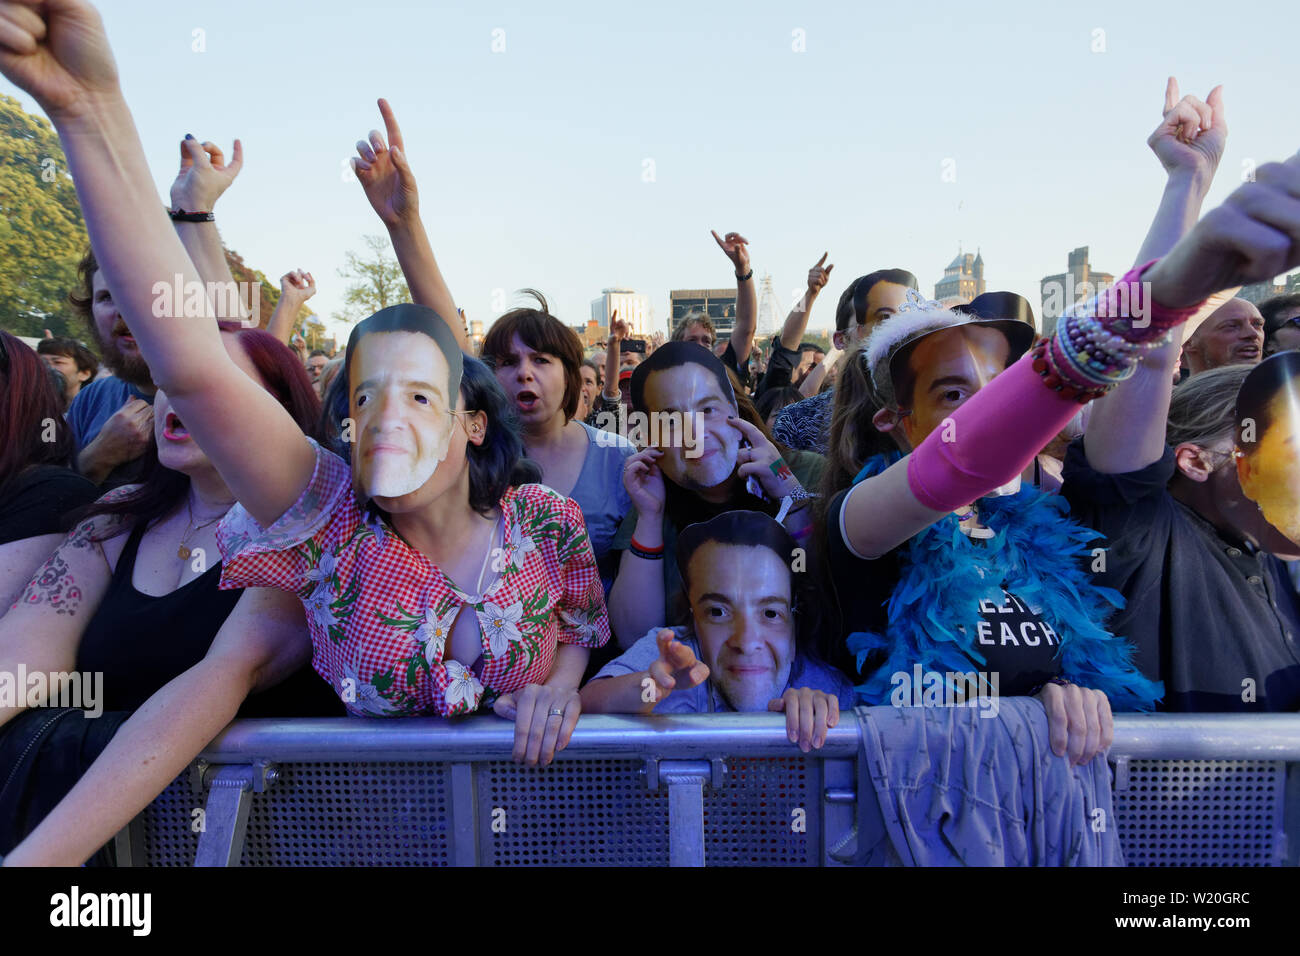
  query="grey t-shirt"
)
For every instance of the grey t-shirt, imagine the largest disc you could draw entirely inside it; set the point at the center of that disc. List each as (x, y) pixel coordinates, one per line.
(704, 698)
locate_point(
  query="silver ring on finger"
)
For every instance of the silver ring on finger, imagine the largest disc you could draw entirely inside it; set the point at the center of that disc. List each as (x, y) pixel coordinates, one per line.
(555, 713)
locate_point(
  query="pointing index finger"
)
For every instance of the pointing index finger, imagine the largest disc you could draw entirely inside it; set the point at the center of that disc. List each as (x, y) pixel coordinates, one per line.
(1171, 94)
(821, 260)
(745, 428)
(390, 124)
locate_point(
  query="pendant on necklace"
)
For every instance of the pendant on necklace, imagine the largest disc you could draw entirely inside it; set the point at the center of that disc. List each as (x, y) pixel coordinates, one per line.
(183, 553)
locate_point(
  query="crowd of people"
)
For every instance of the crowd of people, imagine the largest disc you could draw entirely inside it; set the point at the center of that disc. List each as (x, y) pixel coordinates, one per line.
(231, 524)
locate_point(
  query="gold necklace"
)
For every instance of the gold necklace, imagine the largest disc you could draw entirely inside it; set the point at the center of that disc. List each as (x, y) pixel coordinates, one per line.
(183, 552)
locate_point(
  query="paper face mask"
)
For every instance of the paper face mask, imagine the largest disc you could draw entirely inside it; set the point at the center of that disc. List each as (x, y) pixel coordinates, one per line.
(1268, 441)
(403, 390)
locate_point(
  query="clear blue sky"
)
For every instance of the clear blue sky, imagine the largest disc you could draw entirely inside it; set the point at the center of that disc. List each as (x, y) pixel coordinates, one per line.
(530, 161)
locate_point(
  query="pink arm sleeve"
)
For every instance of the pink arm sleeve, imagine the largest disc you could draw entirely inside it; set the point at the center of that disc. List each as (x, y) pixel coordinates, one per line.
(996, 434)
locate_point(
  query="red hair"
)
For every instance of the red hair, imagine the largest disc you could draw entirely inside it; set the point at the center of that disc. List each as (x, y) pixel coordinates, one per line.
(283, 374)
(162, 489)
(29, 408)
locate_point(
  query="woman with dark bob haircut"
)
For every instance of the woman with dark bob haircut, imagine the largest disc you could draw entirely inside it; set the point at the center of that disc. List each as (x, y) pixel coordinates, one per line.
(538, 361)
(132, 595)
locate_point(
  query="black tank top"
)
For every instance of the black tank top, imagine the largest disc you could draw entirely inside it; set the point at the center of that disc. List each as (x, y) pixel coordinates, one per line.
(141, 642)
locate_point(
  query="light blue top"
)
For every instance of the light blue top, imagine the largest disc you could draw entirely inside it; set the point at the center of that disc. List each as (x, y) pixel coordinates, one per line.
(599, 490)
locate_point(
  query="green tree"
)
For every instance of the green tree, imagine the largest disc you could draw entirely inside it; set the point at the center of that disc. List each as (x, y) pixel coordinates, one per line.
(374, 281)
(242, 272)
(42, 236)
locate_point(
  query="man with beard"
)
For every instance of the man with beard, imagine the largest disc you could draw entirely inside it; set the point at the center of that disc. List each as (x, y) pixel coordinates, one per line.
(706, 452)
(111, 418)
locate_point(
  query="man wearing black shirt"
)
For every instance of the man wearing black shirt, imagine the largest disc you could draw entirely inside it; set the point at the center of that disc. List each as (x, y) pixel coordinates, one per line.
(1210, 607)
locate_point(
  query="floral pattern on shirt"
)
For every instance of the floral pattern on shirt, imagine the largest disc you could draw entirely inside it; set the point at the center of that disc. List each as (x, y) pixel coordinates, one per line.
(380, 614)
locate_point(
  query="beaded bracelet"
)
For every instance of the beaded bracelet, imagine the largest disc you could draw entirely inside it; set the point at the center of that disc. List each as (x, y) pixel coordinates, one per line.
(1087, 356)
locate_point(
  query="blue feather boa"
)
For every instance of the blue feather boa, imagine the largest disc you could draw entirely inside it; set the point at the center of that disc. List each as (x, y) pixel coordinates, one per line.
(1038, 554)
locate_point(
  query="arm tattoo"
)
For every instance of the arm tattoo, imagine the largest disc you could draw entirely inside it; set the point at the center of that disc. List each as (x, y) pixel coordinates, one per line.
(54, 586)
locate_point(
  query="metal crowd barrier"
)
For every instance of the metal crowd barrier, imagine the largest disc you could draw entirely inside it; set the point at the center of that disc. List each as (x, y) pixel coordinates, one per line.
(724, 789)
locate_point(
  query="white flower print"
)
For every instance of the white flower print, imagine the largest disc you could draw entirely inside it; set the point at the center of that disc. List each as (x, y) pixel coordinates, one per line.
(376, 525)
(500, 624)
(318, 607)
(464, 686)
(582, 623)
(433, 632)
(360, 696)
(518, 545)
(323, 571)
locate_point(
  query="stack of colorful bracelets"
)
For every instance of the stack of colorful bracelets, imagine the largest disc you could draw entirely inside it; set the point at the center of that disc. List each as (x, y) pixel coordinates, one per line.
(1097, 345)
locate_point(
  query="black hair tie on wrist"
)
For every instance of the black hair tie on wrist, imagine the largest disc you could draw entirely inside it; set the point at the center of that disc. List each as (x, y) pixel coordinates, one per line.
(180, 215)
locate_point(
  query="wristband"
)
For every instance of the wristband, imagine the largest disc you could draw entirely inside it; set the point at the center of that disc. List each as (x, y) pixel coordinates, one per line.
(746, 277)
(646, 554)
(799, 495)
(180, 215)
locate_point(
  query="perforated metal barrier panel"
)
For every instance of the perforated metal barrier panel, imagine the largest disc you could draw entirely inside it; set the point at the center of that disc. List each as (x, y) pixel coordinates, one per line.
(601, 809)
(1202, 812)
(587, 813)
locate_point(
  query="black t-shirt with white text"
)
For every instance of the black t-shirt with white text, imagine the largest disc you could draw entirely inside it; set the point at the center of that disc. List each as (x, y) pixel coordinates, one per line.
(1016, 643)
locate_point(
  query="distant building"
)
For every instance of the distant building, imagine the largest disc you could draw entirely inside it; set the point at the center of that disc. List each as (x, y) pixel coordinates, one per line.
(720, 304)
(476, 335)
(1257, 292)
(593, 334)
(963, 279)
(632, 307)
(1081, 281)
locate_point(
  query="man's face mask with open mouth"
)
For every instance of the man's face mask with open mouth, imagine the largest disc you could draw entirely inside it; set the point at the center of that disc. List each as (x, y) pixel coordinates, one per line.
(403, 393)
(1268, 441)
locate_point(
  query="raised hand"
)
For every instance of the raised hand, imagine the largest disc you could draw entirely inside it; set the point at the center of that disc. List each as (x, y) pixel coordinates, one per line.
(1192, 135)
(809, 715)
(297, 286)
(618, 329)
(736, 247)
(762, 461)
(819, 276)
(204, 174)
(1253, 235)
(676, 668)
(385, 175)
(58, 52)
(645, 482)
